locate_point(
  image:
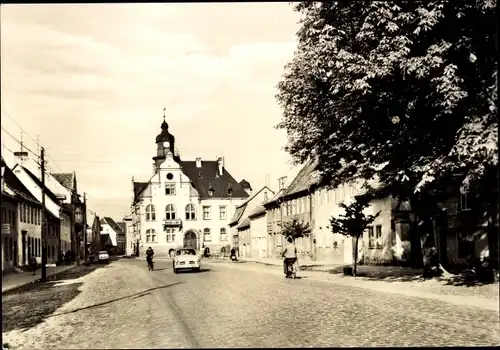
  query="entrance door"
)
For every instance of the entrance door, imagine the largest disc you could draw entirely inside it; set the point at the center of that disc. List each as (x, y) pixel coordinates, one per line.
(190, 240)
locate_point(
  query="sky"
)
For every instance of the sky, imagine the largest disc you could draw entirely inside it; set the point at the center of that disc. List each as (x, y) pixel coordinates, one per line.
(91, 81)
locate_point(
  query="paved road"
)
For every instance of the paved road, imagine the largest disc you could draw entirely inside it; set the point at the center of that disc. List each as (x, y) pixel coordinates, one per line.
(123, 305)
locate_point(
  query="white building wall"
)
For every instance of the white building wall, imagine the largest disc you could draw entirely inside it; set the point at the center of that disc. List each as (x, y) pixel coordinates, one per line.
(33, 231)
(107, 230)
(184, 194)
(329, 246)
(259, 236)
(130, 237)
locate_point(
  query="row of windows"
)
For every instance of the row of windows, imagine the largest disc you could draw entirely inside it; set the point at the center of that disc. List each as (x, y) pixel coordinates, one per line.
(375, 238)
(10, 248)
(34, 248)
(151, 236)
(8, 217)
(30, 214)
(320, 197)
(189, 210)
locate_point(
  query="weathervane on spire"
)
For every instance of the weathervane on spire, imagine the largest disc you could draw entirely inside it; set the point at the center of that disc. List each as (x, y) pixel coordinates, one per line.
(164, 109)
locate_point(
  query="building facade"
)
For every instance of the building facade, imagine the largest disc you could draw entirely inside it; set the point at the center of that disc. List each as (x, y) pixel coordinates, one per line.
(258, 232)
(242, 212)
(312, 202)
(185, 203)
(130, 238)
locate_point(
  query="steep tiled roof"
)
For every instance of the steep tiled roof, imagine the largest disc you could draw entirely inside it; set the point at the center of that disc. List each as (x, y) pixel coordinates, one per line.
(112, 224)
(12, 181)
(122, 226)
(245, 184)
(237, 214)
(139, 187)
(244, 224)
(206, 177)
(304, 179)
(257, 211)
(38, 182)
(65, 179)
(106, 240)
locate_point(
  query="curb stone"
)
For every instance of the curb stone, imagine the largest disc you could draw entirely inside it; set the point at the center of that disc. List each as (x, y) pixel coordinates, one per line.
(37, 280)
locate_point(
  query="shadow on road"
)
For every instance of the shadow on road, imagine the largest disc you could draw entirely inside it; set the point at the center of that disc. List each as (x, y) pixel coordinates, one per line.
(131, 296)
(191, 271)
(27, 306)
(383, 273)
(406, 274)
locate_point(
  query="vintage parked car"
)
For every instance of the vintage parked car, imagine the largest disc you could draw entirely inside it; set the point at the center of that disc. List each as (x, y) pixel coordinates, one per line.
(186, 259)
(103, 256)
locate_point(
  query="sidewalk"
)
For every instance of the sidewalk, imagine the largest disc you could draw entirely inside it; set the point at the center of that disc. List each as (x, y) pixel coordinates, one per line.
(323, 266)
(15, 280)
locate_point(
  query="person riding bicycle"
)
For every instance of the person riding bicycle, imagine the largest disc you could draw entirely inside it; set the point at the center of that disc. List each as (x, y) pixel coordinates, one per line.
(149, 255)
(290, 254)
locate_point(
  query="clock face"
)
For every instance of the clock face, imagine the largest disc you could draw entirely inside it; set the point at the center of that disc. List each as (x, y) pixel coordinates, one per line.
(166, 144)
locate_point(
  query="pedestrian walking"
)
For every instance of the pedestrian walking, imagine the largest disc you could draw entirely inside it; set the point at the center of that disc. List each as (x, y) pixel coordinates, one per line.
(33, 264)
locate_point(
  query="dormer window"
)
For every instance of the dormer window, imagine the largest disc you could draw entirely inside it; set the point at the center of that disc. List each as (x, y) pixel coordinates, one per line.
(210, 190)
(229, 190)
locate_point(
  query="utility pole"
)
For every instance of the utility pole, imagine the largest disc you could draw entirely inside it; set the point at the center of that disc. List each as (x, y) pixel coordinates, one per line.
(85, 254)
(44, 224)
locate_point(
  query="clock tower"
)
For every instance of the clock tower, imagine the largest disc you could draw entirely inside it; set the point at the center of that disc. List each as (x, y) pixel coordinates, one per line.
(165, 145)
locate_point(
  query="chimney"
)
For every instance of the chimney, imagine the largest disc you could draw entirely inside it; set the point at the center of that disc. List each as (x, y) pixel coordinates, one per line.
(282, 182)
(220, 165)
(21, 157)
(198, 162)
(265, 196)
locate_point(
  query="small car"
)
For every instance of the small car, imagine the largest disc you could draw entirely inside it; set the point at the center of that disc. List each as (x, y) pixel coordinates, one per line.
(103, 256)
(186, 259)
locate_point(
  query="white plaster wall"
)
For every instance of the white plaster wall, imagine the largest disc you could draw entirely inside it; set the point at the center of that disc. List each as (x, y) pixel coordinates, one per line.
(184, 195)
(259, 236)
(107, 230)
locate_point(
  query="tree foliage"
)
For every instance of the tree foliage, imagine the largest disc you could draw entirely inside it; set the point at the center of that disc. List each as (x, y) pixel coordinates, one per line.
(296, 229)
(403, 91)
(354, 221)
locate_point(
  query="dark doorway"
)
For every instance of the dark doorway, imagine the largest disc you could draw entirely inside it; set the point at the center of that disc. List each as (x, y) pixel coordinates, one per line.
(190, 240)
(23, 247)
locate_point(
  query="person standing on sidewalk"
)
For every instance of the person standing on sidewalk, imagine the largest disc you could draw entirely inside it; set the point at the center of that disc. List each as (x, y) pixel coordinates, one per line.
(33, 264)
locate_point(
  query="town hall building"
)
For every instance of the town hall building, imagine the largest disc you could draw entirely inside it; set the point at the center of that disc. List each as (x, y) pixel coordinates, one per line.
(186, 203)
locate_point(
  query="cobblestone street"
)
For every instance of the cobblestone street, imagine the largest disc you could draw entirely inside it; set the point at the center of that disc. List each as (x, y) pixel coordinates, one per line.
(123, 305)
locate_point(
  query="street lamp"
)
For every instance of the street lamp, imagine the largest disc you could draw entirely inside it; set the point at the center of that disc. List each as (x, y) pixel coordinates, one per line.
(78, 215)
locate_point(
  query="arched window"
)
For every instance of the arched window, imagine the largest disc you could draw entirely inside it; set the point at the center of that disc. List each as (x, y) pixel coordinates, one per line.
(170, 212)
(150, 236)
(150, 213)
(190, 212)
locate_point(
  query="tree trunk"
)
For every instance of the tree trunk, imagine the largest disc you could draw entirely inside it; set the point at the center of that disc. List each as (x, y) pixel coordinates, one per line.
(355, 257)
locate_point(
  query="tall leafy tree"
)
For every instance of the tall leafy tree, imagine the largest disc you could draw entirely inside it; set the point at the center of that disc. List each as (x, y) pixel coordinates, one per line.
(401, 91)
